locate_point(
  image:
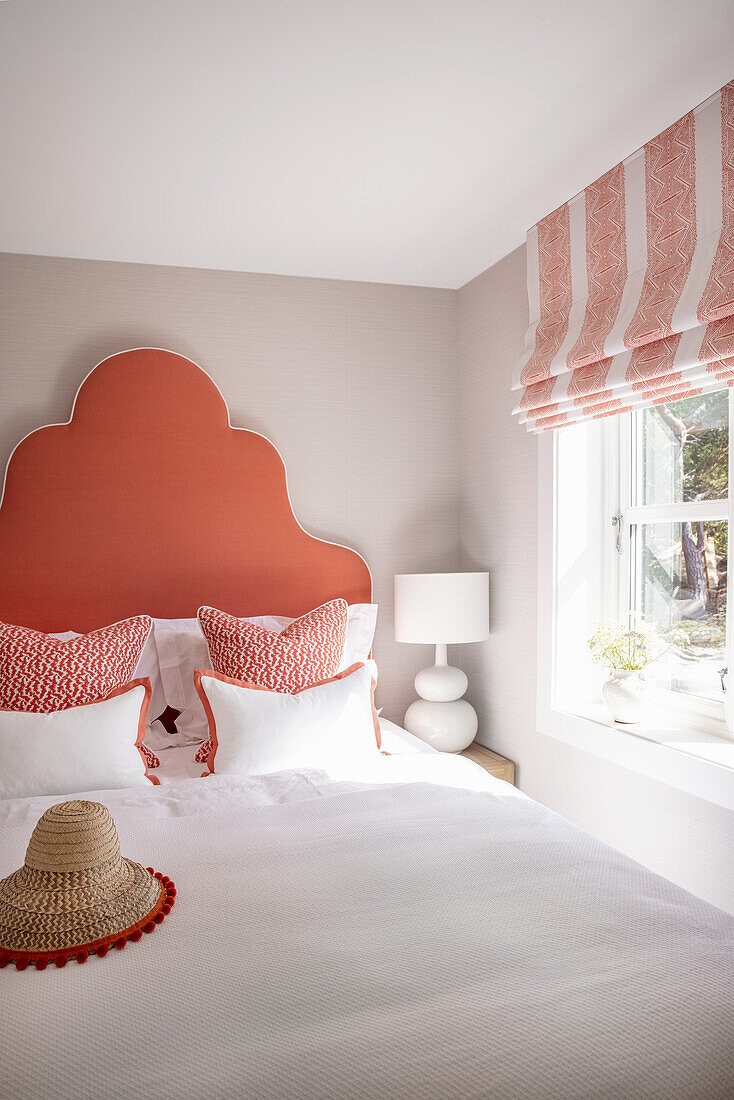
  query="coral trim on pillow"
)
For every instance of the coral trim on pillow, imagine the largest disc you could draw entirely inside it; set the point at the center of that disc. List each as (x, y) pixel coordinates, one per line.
(149, 758)
(40, 673)
(211, 743)
(143, 681)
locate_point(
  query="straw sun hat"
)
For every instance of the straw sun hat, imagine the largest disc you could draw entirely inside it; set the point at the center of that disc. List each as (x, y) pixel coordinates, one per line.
(76, 895)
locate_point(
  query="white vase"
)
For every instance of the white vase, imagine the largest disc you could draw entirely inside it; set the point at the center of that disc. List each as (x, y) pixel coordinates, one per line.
(623, 695)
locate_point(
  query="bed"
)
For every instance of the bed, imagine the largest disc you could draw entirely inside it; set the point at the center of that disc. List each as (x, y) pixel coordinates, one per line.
(418, 930)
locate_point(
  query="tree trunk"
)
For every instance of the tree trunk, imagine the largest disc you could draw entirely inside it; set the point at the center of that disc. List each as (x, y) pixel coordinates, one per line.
(693, 555)
(693, 547)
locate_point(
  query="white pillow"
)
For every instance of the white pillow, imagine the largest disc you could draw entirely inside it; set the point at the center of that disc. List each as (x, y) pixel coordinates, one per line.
(361, 623)
(182, 649)
(89, 748)
(331, 726)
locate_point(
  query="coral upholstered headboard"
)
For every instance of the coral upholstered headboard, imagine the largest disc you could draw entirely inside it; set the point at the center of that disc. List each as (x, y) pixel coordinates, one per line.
(148, 501)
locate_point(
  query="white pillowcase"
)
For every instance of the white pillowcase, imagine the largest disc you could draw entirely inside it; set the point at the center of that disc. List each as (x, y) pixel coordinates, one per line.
(361, 623)
(182, 649)
(331, 726)
(87, 748)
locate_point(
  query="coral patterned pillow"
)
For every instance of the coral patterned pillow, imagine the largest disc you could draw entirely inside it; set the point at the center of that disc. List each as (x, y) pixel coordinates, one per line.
(40, 673)
(151, 760)
(307, 651)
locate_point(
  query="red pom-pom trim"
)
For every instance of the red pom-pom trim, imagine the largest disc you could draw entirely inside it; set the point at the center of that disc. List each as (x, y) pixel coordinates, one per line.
(40, 959)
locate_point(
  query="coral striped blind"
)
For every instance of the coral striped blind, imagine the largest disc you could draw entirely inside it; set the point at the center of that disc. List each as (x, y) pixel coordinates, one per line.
(631, 283)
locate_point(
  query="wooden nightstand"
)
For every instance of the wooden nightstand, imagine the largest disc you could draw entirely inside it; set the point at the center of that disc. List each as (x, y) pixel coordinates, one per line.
(492, 762)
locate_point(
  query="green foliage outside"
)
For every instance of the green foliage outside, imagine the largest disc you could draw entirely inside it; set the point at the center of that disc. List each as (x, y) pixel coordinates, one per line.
(706, 453)
(699, 637)
(701, 472)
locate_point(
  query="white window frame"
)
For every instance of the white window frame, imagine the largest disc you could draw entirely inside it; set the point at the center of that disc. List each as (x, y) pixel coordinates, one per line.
(683, 748)
(691, 712)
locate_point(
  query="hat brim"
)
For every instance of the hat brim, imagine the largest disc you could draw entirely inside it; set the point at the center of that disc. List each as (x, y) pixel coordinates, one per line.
(117, 939)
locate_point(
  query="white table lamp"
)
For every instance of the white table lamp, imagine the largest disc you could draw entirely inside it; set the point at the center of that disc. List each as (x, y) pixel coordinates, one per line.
(442, 609)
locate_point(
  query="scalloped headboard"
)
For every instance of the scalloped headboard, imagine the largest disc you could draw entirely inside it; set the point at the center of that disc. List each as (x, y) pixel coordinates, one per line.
(148, 501)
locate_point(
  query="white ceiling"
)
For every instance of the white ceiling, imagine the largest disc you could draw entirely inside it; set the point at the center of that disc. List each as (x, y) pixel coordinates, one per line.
(405, 141)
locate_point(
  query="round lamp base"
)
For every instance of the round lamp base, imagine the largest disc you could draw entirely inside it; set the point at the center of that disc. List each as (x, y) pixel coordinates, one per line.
(448, 727)
(441, 683)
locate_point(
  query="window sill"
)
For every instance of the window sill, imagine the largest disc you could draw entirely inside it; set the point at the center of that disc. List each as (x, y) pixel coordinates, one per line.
(662, 730)
(699, 763)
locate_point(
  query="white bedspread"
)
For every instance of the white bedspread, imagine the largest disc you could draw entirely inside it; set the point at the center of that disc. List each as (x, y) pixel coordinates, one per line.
(425, 932)
(178, 758)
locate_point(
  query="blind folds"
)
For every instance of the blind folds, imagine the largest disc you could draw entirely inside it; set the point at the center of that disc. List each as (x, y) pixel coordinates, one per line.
(631, 283)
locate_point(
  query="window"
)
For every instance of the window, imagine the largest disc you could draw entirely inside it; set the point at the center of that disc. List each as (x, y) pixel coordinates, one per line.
(641, 522)
(633, 522)
(673, 521)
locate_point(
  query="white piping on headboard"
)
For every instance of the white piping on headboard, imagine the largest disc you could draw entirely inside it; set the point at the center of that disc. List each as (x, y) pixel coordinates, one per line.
(235, 427)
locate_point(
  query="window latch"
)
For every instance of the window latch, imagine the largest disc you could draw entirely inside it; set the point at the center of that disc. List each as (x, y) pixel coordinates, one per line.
(723, 673)
(617, 522)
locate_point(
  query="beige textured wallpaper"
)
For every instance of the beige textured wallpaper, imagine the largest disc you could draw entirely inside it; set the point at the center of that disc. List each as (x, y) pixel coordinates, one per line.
(684, 838)
(391, 407)
(355, 383)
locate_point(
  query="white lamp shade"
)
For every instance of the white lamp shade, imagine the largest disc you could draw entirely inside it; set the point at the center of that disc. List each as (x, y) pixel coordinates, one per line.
(442, 608)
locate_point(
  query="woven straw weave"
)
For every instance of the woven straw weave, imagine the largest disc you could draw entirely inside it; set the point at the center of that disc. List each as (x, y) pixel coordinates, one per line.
(75, 887)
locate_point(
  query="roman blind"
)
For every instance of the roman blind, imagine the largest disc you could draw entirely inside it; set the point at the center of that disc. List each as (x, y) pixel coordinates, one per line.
(631, 283)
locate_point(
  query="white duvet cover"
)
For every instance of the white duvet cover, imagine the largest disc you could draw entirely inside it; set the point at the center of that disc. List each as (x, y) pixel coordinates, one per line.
(425, 931)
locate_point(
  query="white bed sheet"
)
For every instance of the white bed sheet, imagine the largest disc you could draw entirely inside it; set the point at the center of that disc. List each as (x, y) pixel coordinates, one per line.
(422, 931)
(177, 759)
